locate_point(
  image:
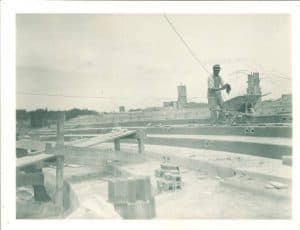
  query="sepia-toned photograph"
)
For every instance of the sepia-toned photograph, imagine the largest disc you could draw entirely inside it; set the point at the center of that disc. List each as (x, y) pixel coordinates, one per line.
(154, 116)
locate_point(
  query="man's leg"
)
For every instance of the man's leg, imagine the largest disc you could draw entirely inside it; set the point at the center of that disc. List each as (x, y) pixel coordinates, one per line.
(220, 102)
(212, 105)
(213, 116)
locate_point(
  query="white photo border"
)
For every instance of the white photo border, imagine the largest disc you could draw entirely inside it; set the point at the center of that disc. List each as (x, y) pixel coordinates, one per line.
(9, 9)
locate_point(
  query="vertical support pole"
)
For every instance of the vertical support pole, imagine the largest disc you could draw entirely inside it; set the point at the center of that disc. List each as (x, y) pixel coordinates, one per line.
(60, 129)
(141, 145)
(59, 183)
(117, 145)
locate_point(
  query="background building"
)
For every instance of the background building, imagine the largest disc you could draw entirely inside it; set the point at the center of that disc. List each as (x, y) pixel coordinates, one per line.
(253, 84)
(170, 104)
(121, 109)
(181, 96)
(282, 105)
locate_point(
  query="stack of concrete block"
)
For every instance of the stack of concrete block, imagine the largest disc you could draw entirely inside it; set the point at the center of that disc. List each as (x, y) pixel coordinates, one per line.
(118, 191)
(167, 168)
(132, 197)
(169, 177)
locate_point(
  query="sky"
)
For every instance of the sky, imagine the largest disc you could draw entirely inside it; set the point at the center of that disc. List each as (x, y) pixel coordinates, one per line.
(103, 61)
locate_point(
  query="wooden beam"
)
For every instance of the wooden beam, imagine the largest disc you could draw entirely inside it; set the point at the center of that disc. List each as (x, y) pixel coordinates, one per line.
(59, 183)
(117, 145)
(141, 145)
(29, 179)
(92, 156)
(60, 129)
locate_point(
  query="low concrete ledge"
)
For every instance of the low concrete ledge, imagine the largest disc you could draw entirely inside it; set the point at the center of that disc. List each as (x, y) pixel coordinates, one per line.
(217, 169)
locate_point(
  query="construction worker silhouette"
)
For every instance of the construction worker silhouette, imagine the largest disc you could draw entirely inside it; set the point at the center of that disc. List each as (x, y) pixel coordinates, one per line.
(214, 95)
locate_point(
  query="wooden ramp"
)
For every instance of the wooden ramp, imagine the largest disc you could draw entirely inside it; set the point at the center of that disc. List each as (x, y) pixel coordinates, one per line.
(82, 150)
(30, 160)
(31, 144)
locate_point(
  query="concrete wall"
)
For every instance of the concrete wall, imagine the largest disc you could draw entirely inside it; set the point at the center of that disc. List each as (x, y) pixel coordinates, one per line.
(259, 131)
(256, 149)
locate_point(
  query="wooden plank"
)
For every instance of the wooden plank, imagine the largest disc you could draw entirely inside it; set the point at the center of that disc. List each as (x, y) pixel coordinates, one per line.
(102, 138)
(29, 160)
(141, 145)
(117, 145)
(60, 129)
(30, 144)
(29, 179)
(93, 156)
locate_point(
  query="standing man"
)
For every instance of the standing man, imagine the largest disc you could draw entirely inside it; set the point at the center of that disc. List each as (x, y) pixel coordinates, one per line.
(214, 95)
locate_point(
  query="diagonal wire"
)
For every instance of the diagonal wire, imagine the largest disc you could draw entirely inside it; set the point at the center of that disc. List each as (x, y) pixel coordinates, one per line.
(185, 44)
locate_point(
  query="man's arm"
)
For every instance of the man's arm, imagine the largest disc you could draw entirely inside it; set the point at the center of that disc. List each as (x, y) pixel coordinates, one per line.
(219, 89)
(212, 87)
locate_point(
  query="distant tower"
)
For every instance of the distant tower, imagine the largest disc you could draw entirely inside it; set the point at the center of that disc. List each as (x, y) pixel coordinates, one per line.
(121, 109)
(253, 84)
(182, 98)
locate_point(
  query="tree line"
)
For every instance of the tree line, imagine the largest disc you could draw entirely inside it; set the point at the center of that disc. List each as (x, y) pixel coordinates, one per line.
(45, 117)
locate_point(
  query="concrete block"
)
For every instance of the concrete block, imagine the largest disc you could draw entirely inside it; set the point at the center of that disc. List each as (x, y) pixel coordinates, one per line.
(166, 185)
(143, 188)
(132, 190)
(121, 191)
(172, 177)
(169, 167)
(152, 208)
(111, 191)
(140, 210)
(118, 191)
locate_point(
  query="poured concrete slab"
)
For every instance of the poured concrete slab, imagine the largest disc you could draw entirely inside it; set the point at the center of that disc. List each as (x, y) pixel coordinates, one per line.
(203, 196)
(254, 165)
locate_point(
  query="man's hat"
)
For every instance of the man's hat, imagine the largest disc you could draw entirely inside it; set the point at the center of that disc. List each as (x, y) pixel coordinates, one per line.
(216, 66)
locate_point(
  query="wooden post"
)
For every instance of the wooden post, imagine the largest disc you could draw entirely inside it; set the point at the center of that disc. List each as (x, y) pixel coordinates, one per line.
(60, 129)
(140, 137)
(59, 183)
(117, 145)
(141, 145)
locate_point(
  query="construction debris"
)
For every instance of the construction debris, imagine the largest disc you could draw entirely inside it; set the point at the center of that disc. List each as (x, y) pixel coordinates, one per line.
(275, 184)
(278, 185)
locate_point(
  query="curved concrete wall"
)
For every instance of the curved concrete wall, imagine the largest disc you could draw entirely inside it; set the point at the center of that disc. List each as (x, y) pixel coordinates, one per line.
(70, 201)
(257, 149)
